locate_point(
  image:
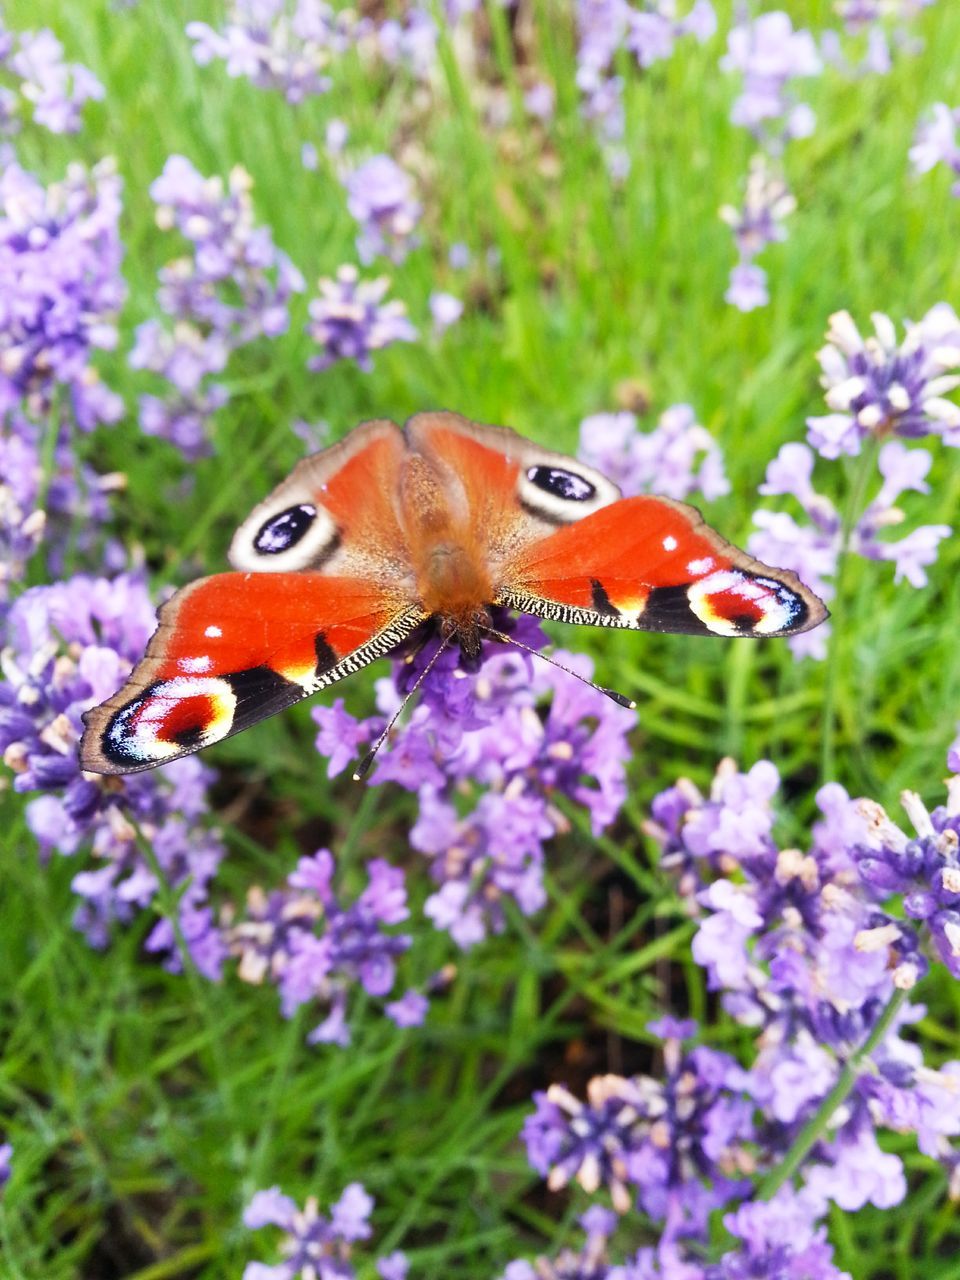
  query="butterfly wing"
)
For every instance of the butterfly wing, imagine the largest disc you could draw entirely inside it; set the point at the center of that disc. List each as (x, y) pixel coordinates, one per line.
(322, 589)
(514, 491)
(654, 564)
(233, 649)
(564, 544)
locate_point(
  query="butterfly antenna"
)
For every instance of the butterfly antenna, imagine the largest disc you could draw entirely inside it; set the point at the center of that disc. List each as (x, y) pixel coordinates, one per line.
(363, 768)
(620, 699)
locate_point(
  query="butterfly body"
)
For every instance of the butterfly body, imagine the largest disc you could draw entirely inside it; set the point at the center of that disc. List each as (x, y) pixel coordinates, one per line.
(439, 521)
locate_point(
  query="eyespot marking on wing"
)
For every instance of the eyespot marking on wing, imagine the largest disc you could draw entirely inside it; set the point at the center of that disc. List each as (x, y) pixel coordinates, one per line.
(170, 717)
(731, 602)
(293, 537)
(559, 489)
(281, 532)
(562, 483)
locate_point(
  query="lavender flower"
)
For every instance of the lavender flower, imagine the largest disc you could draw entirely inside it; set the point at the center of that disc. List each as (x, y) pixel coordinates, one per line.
(876, 387)
(57, 90)
(807, 954)
(60, 257)
(648, 31)
(780, 1238)
(770, 55)
(380, 197)
(935, 142)
(234, 287)
(21, 521)
(676, 1140)
(445, 310)
(316, 1246)
(540, 100)
(813, 550)
(229, 250)
(276, 45)
(924, 869)
(68, 647)
(184, 357)
(6, 1154)
(350, 320)
(409, 42)
(75, 500)
(278, 939)
(590, 1262)
(484, 739)
(676, 458)
(767, 202)
(802, 953)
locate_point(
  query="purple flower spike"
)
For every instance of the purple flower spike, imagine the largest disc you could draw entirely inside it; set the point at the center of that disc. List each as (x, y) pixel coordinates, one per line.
(380, 197)
(770, 54)
(57, 90)
(60, 256)
(649, 30)
(276, 45)
(767, 203)
(812, 550)
(924, 868)
(316, 949)
(350, 320)
(673, 1140)
(69, 647)
(677, 458)
(233, 288)
(877, 386)
(315, 1246)
(935, 141)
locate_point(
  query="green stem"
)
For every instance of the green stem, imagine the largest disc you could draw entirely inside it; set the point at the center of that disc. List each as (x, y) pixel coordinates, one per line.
(817, 1125)
(854, 510)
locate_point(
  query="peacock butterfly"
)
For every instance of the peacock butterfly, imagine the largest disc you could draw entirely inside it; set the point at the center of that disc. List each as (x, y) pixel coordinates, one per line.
(438, 521)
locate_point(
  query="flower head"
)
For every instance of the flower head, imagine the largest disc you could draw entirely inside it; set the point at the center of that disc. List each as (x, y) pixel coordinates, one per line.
(380, 197)
(759, 222)
(276, 45)
(316, 949)
(234, 286)
(674, 1140)
(57, 90)
(316, 1245)
(877, 386)
(924, 868)
(68, 647)
(677, 458)
(812, 550)
(350, 320)
(60, 256)
(935, 141)
(770, 54)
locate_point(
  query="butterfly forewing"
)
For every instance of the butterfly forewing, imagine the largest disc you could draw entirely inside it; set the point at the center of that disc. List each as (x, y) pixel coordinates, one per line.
(233, 649)
(653, 564)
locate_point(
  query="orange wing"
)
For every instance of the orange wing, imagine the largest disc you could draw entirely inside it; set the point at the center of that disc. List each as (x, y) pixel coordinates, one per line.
(503, 481)
(233, 649)
(653, 564)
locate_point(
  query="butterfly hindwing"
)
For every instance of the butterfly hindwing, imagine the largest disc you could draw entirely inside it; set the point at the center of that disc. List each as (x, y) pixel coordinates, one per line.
(653, 564)
(233, 649)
